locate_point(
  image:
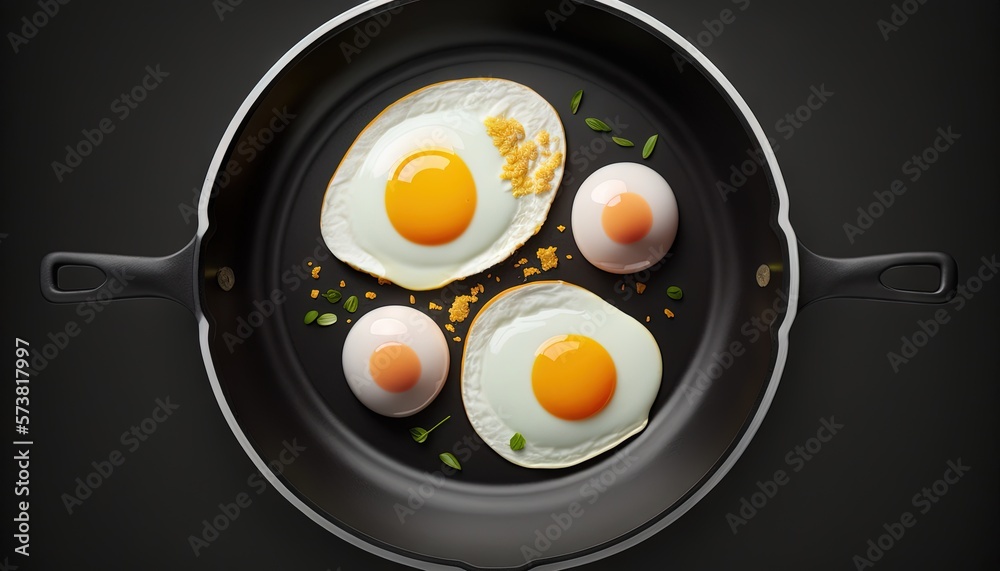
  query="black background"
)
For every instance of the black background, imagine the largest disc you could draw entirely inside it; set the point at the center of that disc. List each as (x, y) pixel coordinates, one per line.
(938, 70)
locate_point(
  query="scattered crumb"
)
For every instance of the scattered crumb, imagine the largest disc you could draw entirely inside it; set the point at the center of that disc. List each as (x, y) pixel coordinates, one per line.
(413, 300)
(314, 294)
(449, 327)
(488, 276)
(457, 339)
(623, 287)
(668, 313)
(434, 306)
(460, 308)
(521, 156)
(478, 289)
(569, 256)
(498, 279)
(528, 272)
(309, 264)
(348, 320)
(548, 258)
(647, 319)
(520, 263)
(383, 281)
(369, 295)
(343, 283)
(640, 287)
(315, 272)
(561, 228)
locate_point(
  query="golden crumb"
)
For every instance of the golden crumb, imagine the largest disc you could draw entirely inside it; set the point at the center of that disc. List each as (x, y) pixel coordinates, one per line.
(548, 258)
(478, 289)
(520, 263)
(449, 327)
(647, 319)
(521, 156)
(460, 308)
(668, 313)
(315, 272)
(457, 339)
(528, 272)
(569, 256)
(369, 295)
(383, 281)
(623, 287)
(343, 283)
(309, 264)
(348, 320)
(488, 276)
(561, 228)
(498, 279)
(433, 306)
(640, 287)
(314, 293)
(413, 300)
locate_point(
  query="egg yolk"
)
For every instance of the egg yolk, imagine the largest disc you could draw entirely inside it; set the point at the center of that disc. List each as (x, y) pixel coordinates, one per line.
(431, 197)
(573, 377)
(395, 367)
(627, 218)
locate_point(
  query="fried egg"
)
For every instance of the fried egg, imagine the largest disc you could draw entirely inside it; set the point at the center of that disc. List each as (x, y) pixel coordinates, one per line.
(624, 218)
(445, 182)
(395, 360)
(568, 371)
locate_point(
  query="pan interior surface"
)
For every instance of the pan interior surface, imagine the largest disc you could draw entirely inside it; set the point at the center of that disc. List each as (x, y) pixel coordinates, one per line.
(362, 472)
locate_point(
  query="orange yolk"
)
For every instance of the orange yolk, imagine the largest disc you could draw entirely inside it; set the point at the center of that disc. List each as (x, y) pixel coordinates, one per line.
(627, 218)
(395, 367)
(573, 377)
(431, 197)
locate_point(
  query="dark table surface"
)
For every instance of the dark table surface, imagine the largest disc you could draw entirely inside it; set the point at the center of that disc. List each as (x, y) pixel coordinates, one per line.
(892, 89)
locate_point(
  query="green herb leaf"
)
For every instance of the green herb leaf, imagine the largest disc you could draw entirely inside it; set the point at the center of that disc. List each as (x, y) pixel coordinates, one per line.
(326, 319)
(332, 295)
(598, 125)
(622, 142)
(674, 292)
(449, 459)
(517, 441)
(351, 305)
(310, 317)
(574, 103)
(420, 435)
(650, 145)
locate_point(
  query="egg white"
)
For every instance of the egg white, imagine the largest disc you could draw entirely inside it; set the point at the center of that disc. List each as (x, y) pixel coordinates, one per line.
(496, 374)
(449, 115)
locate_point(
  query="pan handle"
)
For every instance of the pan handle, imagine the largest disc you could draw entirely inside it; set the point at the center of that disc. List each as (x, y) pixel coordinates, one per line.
(860, 278)
(168, 277)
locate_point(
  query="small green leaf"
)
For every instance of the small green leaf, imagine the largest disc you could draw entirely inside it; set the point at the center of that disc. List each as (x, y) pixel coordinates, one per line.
(326, 319)
(574, 103)
(419, 434)
(449, 459)
(674, 292)
(351, 305)
(650, 145)
(333, 296)
(517, 441)
(598, 125)
(310, 317)
(622, 142)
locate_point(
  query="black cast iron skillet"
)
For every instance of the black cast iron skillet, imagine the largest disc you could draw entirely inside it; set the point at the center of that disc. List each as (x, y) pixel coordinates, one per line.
(361, 476)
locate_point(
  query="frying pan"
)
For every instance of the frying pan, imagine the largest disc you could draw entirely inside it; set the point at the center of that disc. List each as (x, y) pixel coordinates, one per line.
(245, 277)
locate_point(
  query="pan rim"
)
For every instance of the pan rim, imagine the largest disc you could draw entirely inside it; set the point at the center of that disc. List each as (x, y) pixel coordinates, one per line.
(737, 449)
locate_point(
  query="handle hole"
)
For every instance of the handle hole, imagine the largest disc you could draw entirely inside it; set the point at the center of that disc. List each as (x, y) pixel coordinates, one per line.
(923, 278)
(80, 278)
